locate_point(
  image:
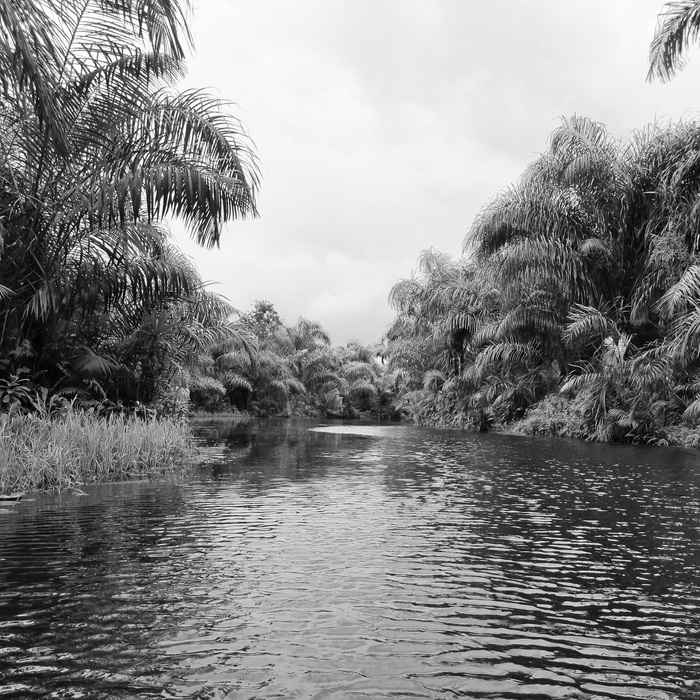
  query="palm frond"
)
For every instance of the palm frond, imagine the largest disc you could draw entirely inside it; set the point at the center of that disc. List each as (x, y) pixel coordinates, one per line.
(505, 353)
(528, 320)
(677, 27)
(578, 382)
(234, 358)
(356, 369)
(586, 324)
(236, 381)
(691, 415)
(88, 363)
(203, 384)
(433, 379)
(363, 389)
(679, 295)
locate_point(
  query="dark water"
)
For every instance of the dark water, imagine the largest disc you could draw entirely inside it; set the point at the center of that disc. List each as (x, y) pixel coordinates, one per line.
(363, 562)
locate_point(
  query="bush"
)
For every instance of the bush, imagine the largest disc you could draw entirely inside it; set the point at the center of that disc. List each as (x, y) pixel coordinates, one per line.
(42, 453)
(553, 416)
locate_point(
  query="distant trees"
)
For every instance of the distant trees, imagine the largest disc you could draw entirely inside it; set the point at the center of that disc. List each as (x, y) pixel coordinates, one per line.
(292, 370)
(95, 149)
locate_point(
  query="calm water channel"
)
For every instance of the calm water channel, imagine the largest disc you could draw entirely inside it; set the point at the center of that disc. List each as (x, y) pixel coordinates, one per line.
(362, 561)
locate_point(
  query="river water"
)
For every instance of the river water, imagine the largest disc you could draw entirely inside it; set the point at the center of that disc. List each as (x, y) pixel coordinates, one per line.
(362, 561)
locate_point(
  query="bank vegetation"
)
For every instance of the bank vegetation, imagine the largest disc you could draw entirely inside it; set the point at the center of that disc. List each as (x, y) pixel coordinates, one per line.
(75, 448)
(575, 309)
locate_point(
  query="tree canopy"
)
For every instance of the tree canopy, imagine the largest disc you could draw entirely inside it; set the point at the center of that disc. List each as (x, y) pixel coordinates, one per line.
(96, 149)
(580, 281)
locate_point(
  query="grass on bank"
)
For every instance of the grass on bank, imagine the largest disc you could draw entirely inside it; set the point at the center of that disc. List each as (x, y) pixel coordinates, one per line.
(40, 453)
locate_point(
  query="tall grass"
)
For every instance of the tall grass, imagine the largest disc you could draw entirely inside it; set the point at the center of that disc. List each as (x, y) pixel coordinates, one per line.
(38, 453)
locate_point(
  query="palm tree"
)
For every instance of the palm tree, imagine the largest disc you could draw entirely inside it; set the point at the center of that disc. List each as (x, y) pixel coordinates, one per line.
(431, 343)
(547, 242)
(587, 225)
(95, 148)
(438, 313)
(623, 392)
(558, 230)
(678, 26)
(136, 346)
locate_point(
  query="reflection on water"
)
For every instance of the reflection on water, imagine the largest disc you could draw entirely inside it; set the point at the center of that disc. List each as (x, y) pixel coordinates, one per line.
(362, 561)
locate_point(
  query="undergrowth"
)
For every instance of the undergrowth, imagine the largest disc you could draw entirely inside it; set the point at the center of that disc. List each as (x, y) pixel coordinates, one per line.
(42, 453)
(555, 416)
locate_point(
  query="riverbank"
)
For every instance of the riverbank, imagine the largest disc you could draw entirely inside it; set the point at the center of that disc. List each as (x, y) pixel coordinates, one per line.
(555, 416)
(41, 453)
(559, 416)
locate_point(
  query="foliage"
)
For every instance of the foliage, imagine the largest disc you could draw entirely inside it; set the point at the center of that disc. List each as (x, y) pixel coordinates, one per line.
(678, 26)
(96, 149)
(292, 370)
(78, 447)
(553, 416)
(582, 278)
(16, 393)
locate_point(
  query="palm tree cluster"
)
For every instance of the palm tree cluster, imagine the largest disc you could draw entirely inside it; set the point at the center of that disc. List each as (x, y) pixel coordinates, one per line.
(291, 370)
(97, 149)
(579, 289)
(577, 301)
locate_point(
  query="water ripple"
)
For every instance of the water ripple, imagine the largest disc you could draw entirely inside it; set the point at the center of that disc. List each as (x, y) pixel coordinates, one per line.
(361, 562)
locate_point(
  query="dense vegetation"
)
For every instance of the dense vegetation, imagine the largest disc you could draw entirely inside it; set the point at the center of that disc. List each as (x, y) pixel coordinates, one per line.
(579, 294)
(291, 370)
(96, 148)
(83, 448)
(98, 309)
(575, 309)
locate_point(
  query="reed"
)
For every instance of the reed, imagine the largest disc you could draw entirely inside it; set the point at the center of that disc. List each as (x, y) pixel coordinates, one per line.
(40, 453)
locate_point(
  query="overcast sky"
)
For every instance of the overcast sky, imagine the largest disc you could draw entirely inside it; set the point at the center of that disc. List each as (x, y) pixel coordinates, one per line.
(383, 126)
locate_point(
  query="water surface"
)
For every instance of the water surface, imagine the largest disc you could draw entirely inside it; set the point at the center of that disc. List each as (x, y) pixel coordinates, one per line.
(362, 561)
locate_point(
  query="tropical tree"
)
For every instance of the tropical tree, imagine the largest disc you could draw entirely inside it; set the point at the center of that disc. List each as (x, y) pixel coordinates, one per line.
(440, 312)
(595, 229)
(273, 379)
(263, 320)
(622, 393)
(96, 147)
(557, 232)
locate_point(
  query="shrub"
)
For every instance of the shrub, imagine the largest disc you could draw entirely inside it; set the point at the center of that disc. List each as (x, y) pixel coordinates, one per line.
(42, 453)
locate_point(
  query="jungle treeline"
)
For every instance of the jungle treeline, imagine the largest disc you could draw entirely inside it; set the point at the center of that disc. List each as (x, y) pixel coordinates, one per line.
(99, 309)
(274, 369)
(575, 309)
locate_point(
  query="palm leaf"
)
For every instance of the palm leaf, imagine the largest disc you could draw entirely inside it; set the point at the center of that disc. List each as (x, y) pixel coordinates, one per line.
(677, 27)
(433, 379)
(691, 415)
(236, 381)
(90, 364)
(206, 385)
(578, 382)
(686, 289)
(363, 389)
(585, 324)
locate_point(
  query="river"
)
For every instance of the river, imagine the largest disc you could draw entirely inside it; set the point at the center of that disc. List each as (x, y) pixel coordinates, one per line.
(309, 560)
